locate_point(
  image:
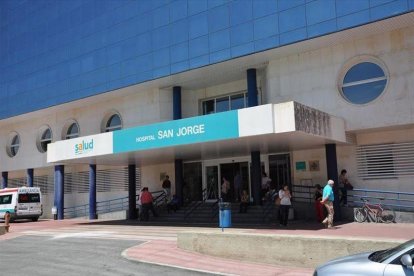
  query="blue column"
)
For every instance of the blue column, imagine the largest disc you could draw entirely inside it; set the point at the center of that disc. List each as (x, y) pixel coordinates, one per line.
(59, 191)
(179, 178)
(132, 192)
(30, 177)
(178, 163)
(251, 88)
(4, 179)
(332, 171)
(92, 191)
(256, 176)
(177, 103)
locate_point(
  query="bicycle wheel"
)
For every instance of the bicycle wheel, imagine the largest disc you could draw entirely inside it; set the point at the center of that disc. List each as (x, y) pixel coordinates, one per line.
(360, 214)
(387, 216)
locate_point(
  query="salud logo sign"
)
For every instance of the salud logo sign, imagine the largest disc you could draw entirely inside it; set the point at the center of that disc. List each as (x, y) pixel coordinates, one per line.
(199, 129)
(84, 147)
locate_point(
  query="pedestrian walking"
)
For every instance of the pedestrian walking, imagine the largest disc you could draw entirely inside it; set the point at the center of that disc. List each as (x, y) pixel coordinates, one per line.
(318, 206)
(327, 200)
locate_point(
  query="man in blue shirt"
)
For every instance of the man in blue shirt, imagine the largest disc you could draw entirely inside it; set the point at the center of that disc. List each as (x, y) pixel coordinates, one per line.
(327, 200)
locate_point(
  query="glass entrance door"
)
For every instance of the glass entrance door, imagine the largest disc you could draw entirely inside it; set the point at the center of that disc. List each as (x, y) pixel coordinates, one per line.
(212, 182)
(193, 182)
(279, 170)
(237, 174)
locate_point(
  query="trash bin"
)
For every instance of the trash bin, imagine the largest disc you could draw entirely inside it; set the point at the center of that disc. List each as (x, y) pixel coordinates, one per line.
(225, 214)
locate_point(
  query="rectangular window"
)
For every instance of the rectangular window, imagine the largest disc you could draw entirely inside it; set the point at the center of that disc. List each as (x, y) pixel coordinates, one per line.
(5, 199)
(224, 103)
(208, 107)
(237, 102)
(29, 198)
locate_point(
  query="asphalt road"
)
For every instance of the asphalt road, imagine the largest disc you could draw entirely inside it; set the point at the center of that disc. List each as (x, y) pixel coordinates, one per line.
(44, 256)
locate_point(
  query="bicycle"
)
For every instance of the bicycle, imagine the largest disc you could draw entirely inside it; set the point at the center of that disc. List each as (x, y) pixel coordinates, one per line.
(377, 211)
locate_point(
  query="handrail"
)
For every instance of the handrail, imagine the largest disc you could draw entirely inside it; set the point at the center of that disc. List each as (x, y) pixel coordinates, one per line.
(214, 209)
(196, 204)
(76, 211)
(400, 201)
(160, 199)
(269, 205)
(106, 206)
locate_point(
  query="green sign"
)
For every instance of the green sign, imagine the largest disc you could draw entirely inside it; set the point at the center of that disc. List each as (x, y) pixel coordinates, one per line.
(214, 127)
(301, 166)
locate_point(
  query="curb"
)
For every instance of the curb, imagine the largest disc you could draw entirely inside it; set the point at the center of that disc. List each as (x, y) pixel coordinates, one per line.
(125, 255)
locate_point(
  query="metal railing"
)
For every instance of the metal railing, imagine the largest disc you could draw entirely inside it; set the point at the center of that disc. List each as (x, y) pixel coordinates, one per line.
(76, 211)
(268, 205)
(398, 201)
(111, 205)
(301, 193)
(159, 198)
(196, 204)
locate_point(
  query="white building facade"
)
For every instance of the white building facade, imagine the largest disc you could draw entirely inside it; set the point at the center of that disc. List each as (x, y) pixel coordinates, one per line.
(347, 92)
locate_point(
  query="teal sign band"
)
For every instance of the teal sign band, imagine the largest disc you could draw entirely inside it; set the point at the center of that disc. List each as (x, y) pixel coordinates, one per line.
(7, 210)
(214, 127)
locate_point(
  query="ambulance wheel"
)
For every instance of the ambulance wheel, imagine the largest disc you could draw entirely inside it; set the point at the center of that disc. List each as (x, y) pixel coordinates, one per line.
(35, 219)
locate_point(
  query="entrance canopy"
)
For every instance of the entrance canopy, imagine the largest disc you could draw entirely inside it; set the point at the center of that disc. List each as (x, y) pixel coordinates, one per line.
(268, 128)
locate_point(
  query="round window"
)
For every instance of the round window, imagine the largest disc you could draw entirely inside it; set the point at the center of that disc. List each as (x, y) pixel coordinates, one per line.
(13, 145)
(363, 82)
(44, 138)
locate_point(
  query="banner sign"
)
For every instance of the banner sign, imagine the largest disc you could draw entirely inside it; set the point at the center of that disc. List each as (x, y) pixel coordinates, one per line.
(213, 127)
(87, 146)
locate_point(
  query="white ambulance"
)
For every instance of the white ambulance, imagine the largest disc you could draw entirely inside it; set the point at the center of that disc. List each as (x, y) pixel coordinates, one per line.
(21, 203)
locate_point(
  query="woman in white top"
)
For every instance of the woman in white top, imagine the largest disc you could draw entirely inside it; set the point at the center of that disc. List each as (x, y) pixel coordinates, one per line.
(285, 196)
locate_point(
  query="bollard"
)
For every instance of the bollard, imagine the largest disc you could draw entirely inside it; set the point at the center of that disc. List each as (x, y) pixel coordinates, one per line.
(7, 221)
(54, 212)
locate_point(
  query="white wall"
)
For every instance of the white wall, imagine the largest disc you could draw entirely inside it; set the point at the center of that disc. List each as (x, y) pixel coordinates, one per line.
(150, 176)
(140, 108)
(311, 79)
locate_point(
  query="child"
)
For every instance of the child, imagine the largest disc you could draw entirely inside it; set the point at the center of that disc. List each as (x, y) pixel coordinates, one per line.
(244, 202)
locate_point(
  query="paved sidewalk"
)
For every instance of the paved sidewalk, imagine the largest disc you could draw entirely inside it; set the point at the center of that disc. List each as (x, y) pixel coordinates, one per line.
(161, 241)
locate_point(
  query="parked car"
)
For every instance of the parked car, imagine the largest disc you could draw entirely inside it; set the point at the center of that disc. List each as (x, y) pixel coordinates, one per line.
(394, 261)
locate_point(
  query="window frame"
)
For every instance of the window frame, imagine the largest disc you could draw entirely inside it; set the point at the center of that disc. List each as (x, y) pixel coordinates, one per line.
(72, 135)
(229, 98)
(107, 118)
(109, 128)
(41, 140)
(353, 62)
(12, 147)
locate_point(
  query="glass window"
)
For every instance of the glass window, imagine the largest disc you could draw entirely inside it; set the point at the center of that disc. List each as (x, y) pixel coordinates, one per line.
(208, 107)
(5, 199)
(114, 123)
(45, 139)
(73, 131)
(14, 146)
(29, 198)
(237, 102)
(363, 83)
(224, 103)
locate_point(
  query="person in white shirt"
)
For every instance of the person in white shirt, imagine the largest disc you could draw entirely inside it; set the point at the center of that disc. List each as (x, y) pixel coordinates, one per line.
(285, 196)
